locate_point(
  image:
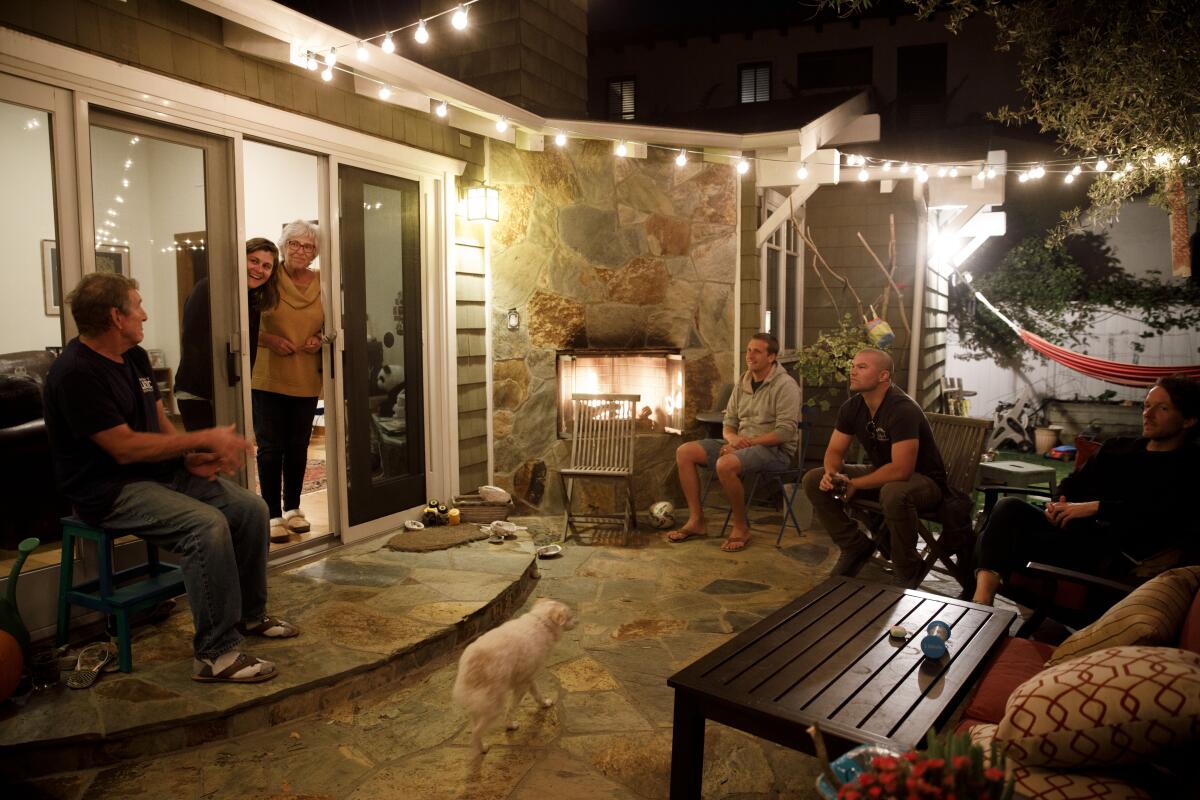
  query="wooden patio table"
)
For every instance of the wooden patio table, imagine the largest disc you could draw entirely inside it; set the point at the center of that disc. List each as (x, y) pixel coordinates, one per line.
(827, 659)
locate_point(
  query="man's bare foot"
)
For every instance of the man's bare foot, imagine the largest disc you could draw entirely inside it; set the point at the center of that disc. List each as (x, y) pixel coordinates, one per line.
(687, 531)
(738, 539)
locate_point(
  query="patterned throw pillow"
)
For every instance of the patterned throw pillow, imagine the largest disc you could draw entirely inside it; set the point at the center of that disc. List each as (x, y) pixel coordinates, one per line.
(1151, 614)
(1037, 783)
(1119, 705)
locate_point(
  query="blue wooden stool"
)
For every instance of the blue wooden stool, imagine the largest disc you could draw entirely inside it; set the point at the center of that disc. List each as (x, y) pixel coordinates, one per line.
(105, 594)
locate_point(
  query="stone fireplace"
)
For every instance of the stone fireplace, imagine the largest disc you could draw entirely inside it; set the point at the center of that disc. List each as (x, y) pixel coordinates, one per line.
(600, 256)
(656, 376)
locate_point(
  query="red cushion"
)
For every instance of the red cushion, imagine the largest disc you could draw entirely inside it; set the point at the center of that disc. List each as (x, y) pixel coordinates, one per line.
(1189, 635)
(1015, 662)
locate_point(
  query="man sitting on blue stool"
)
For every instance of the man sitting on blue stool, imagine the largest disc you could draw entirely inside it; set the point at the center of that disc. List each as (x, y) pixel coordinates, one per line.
(760, 434)
(119, 460)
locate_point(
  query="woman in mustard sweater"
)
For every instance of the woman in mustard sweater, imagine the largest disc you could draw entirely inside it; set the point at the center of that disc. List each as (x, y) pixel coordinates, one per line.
(287, 379)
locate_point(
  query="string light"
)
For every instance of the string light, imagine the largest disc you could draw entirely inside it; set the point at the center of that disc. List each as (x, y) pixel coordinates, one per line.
(621, 149)
(442, 109)
(802, 173)
(904, 168)
(887, 166)
(1184, 160)
(331, 57)
(863, 174)
(681, 159)
(459, 20)
(311, 62)
(991, 172)
(1069, 177)
(327, 74)
(421, 35)
(1076, 169)
(743, 166)
(384, 92)
(954, 172)
(1101, 165)
(922, 175)
(1162, 159)
(941, 173)
(560, 139)
(389, 45)
(361, 51)
(502, 125)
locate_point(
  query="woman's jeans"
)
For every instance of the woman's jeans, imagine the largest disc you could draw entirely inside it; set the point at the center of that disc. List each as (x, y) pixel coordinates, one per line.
(220, 530)
(282, 426)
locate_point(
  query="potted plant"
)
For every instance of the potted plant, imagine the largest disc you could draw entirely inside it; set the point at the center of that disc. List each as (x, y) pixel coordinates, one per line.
(826, 362)
(948, 767)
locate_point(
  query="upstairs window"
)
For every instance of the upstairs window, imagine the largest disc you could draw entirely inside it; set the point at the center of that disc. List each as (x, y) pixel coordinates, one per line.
(754, 83)
(834, 69)
(621, 93)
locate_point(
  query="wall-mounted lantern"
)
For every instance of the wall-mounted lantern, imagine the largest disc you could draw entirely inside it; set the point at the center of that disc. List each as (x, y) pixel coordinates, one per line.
(483, 204)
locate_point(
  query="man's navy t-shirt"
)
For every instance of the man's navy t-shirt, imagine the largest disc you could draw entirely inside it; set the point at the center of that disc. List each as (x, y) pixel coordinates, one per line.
(897, 419)
(87, 393)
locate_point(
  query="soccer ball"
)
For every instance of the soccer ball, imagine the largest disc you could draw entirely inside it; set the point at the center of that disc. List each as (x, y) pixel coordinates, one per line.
(662, 514)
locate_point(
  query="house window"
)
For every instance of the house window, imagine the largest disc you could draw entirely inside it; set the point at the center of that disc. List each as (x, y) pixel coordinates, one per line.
(921, 72)
(621, 93)
(834, 69)
(754, 83)
(783, 283)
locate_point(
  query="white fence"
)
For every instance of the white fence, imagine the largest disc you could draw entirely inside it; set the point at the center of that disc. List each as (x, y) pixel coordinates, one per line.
(1113, 339)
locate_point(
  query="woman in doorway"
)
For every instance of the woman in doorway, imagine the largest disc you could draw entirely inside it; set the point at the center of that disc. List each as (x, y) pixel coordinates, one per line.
(194, 382)
(287, 381)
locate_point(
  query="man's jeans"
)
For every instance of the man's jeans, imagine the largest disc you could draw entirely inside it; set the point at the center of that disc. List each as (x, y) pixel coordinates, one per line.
(901, 500)
(220, 530)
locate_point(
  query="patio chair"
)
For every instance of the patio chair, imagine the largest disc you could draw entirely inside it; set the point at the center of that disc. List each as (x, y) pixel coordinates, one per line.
(961, 441)
(776, 480)
(602, 449)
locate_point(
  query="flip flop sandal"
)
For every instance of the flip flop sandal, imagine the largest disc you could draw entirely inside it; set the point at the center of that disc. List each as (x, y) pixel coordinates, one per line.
(732, 545)
(682, 535)
(243, 663)
(87, 667)
(269, 628)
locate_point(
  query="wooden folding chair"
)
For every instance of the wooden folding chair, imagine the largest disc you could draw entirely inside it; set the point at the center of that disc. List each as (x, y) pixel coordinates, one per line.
(602, 449)
(961, 441)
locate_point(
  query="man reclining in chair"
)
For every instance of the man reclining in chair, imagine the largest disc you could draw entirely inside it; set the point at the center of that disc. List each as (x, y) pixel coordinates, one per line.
(1134, 497)
(760, 434)
(118, 459)
(906, 475)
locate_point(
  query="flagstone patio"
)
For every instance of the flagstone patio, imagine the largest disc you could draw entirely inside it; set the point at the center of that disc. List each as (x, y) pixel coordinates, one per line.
(379, 731)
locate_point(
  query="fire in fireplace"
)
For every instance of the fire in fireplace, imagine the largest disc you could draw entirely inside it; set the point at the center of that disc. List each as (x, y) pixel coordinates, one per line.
(656, 376)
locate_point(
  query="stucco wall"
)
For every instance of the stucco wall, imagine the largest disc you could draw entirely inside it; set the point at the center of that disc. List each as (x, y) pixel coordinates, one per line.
(598, 251)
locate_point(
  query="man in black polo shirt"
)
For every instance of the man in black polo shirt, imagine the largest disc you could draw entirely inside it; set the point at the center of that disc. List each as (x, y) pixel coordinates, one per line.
(906, 473)
(119, 460)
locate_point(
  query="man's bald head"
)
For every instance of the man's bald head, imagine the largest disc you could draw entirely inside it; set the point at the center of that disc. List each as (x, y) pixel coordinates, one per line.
(870, 368)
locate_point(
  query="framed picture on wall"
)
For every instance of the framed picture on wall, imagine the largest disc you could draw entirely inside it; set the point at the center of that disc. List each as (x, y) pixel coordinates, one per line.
(109, 258)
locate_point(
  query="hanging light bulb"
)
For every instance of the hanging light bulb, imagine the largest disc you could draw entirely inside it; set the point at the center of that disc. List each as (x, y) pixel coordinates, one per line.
(621, 149)
(1128, 166)
(1069, 177)
(863, 174)
(311, 62)
(743, 166)
(384, 92)
(442, 109)
(802, 173)
(327, 74)
(422, 34)
(981, 175)
(459, 20)
(991, 172)
(904, 168)
(389, 45)
(681, 159)
(1039, 171)
(1076, 169)
(331, 57)
(560, 139)
(954, 172)
(1162, 159)
(887, 166)
(502, 125)
(1101, 165)
(360, 52)
(941, 173)
(1024, 176)
(922, 175)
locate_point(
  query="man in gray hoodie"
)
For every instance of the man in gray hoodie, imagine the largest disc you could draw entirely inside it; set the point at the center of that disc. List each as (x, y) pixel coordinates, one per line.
(760, 435)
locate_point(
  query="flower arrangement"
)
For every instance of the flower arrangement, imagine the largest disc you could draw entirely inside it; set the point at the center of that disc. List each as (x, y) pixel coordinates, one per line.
(950, 768)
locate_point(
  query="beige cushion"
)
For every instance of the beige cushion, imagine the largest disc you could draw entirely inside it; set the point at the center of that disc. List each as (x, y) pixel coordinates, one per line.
(1119, 705)
(1151, 614)
(1039, 783)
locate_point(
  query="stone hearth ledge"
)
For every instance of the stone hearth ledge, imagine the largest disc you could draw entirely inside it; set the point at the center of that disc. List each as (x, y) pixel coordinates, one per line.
(368, 617)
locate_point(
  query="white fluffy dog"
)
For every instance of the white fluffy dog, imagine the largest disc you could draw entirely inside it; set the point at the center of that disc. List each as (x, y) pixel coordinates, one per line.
(504, 660)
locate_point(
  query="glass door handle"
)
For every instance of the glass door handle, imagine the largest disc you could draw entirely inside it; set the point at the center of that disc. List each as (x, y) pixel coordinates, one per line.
(232, 363)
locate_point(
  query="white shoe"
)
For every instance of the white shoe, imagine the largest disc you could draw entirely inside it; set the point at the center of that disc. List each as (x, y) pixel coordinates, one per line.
(279, 531)
(295, 521)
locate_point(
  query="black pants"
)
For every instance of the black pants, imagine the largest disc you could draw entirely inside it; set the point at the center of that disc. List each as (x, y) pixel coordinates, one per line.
(197, 414)
(1017, 533)
(282, 426)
